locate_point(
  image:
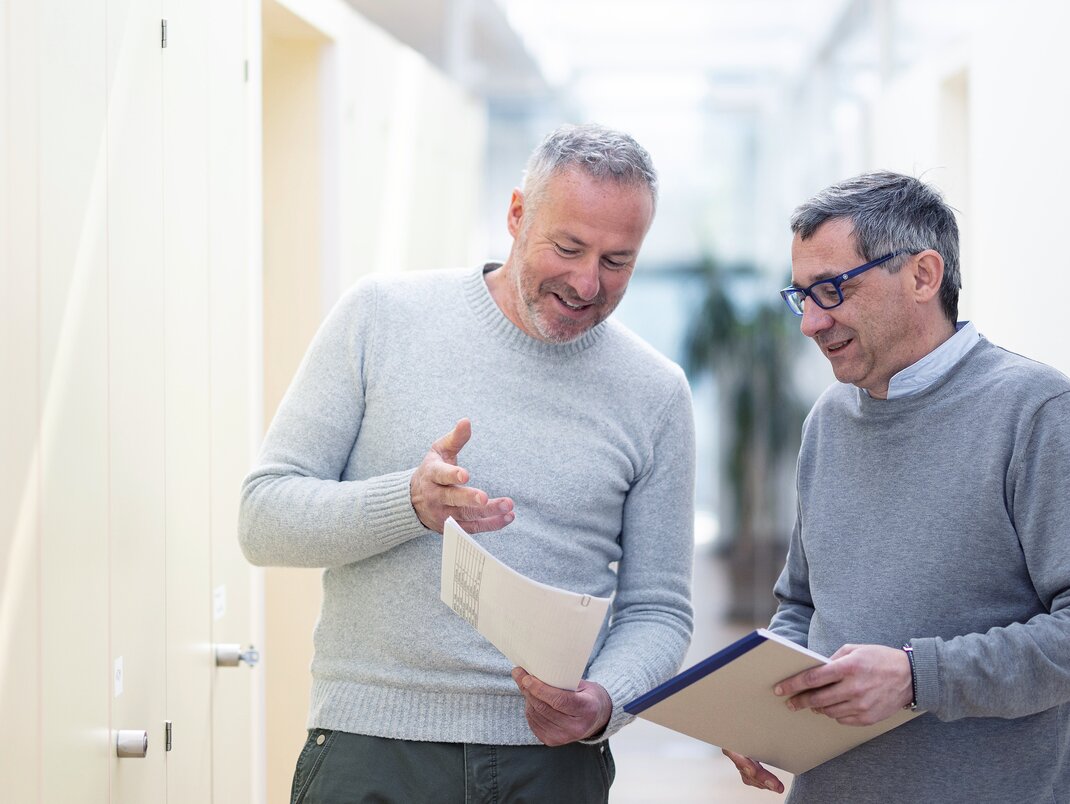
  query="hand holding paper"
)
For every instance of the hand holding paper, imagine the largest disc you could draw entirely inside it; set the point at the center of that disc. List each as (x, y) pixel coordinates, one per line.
(559, 716)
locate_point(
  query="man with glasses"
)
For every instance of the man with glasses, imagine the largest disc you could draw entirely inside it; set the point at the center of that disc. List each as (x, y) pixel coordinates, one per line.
(931, 552)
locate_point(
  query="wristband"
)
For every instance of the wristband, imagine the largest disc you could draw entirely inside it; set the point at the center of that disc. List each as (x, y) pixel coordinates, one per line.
(913, 705)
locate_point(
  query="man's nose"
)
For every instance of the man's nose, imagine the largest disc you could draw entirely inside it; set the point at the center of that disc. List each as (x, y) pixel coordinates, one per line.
(585, 279)
(815, 319)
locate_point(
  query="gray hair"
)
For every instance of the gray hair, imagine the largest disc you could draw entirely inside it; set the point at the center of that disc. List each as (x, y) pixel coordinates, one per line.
(890, 212)
(600, 152)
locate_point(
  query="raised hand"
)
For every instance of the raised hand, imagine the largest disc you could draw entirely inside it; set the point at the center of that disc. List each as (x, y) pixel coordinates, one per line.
(437, 489)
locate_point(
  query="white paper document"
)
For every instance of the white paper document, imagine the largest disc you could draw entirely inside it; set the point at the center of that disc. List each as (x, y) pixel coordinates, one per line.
(548, 631)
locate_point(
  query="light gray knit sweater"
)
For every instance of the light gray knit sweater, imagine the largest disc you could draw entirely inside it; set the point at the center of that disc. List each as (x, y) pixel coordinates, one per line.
(943, 520)
(593, 440)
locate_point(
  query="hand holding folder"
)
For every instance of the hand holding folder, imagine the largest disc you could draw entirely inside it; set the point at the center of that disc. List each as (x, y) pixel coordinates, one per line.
(728, 700)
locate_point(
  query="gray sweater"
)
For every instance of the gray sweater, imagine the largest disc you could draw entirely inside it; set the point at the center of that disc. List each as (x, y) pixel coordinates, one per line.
(593, 440)
(943, 520)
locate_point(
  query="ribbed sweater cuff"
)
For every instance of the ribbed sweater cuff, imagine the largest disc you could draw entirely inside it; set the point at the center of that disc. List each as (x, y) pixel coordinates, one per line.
(387, 503)
(926, 673)
(620, 692)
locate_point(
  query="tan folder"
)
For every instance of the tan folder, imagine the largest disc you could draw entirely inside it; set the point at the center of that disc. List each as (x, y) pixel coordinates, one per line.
(727, 700)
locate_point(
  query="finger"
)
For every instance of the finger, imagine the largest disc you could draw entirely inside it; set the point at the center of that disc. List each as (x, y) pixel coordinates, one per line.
(769, 781)
(738, 760)
(734, 756)
(520, 678)
(749, 770)
(450, 444)
(764, 779)
(753, 773)
(546, 698)
(442, 473)
(487, 524)
(548, 731)
(551, 726)
(815, 677)
(465, 502)
(551, 713)
(864, 719)
(848, 709)
(822, 699)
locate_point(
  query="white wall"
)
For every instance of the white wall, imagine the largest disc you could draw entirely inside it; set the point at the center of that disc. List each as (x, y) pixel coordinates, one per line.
(989, 124)
(1019, 175)
(974, 102)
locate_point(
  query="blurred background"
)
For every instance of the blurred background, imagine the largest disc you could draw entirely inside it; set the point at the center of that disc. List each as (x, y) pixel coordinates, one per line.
(186, 187)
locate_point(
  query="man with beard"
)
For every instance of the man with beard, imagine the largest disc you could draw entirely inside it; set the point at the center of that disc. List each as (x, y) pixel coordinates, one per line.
(930, 556)
(503, 397)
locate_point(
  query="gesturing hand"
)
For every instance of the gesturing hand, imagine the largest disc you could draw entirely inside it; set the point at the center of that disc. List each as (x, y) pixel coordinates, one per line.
(558, 716)
(437, 489)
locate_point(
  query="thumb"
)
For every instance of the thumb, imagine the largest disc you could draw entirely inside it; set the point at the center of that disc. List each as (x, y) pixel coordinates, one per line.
(450, 444)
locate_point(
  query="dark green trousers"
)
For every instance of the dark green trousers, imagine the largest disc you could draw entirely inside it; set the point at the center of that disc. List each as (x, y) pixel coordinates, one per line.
(336, 767)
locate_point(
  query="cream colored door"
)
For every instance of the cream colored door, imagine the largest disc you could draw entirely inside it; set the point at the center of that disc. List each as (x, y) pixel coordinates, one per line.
(188, 396)
(233, 321)
(136, 393)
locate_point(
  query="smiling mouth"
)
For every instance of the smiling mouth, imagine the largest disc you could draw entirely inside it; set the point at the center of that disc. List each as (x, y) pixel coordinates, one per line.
(836, 346)
(577, 307)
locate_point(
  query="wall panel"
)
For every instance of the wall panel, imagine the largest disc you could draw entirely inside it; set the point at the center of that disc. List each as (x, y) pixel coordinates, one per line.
(76, 660)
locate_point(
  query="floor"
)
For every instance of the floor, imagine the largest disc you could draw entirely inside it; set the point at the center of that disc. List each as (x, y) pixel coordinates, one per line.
(655, 764)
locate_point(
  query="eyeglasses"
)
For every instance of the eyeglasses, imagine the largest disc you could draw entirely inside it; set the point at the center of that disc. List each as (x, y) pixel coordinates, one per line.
(826, 293)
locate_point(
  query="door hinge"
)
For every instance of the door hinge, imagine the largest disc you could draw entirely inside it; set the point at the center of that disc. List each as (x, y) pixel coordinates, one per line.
(163, 33)
(167, 735)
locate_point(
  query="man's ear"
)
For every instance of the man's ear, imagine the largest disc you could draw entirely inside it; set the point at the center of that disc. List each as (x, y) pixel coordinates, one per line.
(516, 212)
(928, 274)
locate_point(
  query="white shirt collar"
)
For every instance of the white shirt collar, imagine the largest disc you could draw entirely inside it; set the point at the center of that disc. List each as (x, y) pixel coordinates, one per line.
(919, 376)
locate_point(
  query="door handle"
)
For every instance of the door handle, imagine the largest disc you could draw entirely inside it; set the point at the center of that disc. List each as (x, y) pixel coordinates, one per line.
(231, 655)
(131, 743)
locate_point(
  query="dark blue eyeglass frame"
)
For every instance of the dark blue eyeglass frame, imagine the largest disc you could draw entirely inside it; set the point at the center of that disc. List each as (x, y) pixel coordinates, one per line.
(794, 297)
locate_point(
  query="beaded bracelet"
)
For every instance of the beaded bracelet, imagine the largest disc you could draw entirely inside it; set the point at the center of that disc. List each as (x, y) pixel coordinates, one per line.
(913, 705)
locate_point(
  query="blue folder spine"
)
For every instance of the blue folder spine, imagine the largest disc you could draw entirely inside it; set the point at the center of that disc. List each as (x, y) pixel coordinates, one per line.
(694, 673)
